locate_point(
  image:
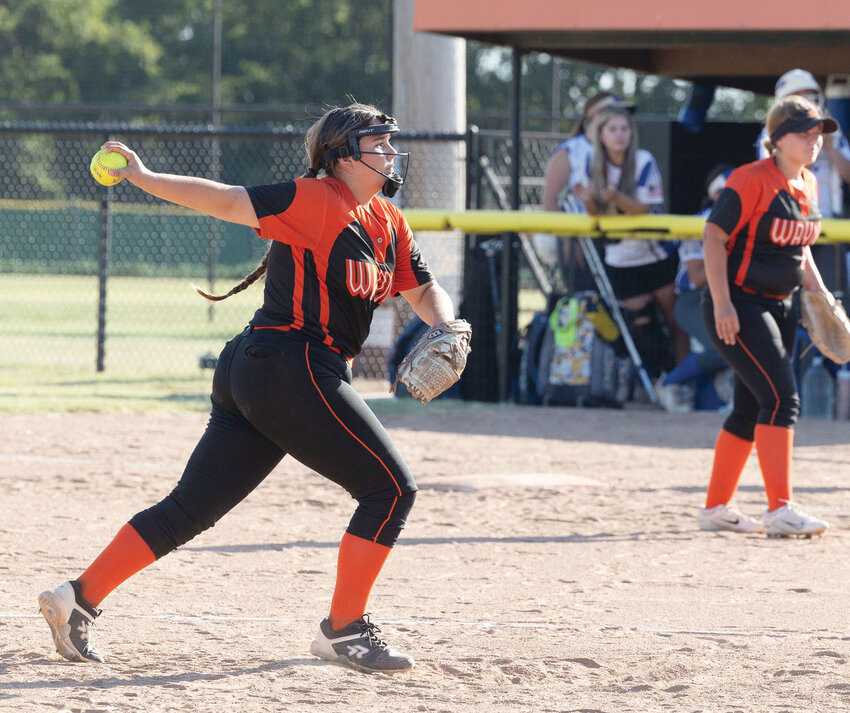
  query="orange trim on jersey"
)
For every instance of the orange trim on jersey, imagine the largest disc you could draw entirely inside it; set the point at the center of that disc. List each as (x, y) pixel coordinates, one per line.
(320, 259)
(325, 311)
(339, 420)
(766, 376)
(751, 291)
(747, 256)
(287, 327)
(278, 327)
(298, 288)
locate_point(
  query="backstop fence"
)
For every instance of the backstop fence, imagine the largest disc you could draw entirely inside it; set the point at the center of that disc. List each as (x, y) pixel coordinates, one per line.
(98, 279)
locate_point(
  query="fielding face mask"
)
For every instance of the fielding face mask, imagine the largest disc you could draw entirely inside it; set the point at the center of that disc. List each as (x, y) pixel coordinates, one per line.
(395, 179)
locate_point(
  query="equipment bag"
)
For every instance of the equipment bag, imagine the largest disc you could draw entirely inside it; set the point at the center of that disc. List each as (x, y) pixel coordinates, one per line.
(576, 362)
(526, 357)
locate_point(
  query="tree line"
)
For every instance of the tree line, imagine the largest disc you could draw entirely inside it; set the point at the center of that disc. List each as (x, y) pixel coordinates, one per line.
(83, 58)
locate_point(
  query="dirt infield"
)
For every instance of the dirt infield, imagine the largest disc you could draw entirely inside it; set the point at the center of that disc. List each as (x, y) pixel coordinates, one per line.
(551, 563)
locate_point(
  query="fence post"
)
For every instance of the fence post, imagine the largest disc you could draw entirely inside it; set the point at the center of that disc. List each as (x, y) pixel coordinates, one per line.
(473, 190)
(510, 259)
(480, 380)
(104, 253)
(212, 223)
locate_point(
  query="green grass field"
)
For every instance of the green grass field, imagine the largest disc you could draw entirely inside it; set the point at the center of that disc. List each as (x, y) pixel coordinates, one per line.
(155, 330)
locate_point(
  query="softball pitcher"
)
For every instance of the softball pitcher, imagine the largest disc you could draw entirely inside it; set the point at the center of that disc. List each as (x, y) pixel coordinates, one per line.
(758, 241)
(283, 386)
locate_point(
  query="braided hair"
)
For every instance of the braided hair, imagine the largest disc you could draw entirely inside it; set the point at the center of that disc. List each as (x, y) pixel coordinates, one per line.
(330, 131)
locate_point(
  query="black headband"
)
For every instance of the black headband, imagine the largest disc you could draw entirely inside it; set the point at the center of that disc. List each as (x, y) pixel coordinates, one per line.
(388, 125)
(387, 128)
(352, 150)
(799, 124)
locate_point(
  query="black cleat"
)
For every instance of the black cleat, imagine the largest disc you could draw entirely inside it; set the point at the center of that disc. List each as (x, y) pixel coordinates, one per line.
(358, 646)
(70, 618)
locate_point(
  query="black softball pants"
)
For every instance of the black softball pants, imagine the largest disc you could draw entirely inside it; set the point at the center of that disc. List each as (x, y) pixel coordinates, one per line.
(276, 393)
(765, 388)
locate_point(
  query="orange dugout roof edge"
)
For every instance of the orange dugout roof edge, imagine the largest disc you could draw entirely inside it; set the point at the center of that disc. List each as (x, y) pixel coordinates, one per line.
(469, 17)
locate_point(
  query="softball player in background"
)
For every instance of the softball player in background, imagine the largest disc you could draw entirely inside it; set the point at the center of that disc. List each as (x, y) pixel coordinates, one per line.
(831, 169)
(758, 241)
(283, 386)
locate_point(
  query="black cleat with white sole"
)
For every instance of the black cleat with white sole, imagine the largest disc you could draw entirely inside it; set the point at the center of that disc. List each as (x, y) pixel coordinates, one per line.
(359, 646)
(70, 619)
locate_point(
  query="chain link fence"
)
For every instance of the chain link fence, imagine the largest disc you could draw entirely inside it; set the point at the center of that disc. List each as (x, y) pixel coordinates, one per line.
(95, 278)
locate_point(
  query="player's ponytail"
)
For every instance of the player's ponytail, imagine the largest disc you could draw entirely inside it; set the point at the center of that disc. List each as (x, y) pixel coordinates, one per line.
(769, 146)
(247, 281)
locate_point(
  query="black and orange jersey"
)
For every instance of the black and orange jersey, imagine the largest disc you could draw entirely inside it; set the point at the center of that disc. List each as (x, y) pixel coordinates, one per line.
(768, 221)
(332, 261)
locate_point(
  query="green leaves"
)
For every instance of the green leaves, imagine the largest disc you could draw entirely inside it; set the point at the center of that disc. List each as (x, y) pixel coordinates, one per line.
(160, 51)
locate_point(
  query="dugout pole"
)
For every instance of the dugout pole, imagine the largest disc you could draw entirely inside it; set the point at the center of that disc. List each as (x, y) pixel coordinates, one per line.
(510, 263)
(594, 262)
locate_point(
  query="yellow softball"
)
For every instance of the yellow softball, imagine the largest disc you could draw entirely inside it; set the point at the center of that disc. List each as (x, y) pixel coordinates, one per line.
(101, 162)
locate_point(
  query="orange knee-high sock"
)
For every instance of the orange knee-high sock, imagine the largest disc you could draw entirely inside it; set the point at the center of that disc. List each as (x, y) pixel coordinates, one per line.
(730, 457)
(358, 566)
(774, 445)
(127, 554)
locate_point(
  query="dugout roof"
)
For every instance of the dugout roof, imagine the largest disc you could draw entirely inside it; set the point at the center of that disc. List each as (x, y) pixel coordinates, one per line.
(735, 43)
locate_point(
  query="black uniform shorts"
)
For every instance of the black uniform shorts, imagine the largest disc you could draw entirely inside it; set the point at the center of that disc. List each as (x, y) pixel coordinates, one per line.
(277, 393)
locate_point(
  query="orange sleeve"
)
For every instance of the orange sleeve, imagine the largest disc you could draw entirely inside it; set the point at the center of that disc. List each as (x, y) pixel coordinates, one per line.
(292, 212)
(738, 201)
(811, 190)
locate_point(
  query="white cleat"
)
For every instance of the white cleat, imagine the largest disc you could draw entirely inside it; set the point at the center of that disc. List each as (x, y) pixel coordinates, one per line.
(675, 398)
(791, 520)
(729, 518)
(70, 618)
